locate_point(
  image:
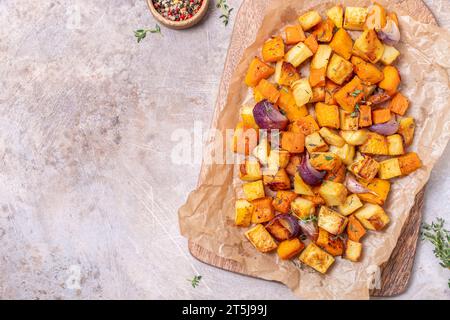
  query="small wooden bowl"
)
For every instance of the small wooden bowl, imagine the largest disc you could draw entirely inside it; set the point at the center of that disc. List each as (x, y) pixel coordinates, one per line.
(179, 24)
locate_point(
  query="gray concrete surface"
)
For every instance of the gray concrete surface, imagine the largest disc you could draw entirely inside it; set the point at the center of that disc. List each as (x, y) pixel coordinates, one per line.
(88, 194)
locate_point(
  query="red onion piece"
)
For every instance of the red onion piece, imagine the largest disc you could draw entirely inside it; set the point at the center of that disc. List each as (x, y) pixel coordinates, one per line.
(309, 174)
(387, 128)
(283, 227)
(309, 229)
(354, 186)
(268, 117)
(389, 34)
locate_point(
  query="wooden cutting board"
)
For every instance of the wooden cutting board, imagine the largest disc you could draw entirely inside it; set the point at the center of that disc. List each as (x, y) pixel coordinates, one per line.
(397, 270)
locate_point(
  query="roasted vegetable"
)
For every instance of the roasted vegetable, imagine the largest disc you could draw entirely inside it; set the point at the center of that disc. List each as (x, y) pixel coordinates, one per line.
(263, 210)
(349, 120)
(385, 128)
(290, 248)
(286, 102)
(294, 34)
(399, 104)
(315, 143)
(376, 17)
(350, 94)
(283, 227)
(302, 208)
(333, 193)
(268, 117)
(324, 30)
(389, 169)
(318, 94)
(309, 20)
(351, 204)
(282, 201)
(366, 71)
(331, 221)
(336, 14)
(300, 187)
(342, 44)
(395, 145)
(294, 162)
(247, 117)
(327, 115)
(278, 181)
(302, 91)
(355, 17)
(325, 161)
(355, 230)
(381, 115)
(365, 168)
(391, 80)
(372, 216)
(365, 116)
(298, 54)
(308, 174)
(406, 130)
(355, 138)
(409, 163)
(294, 142)
(330, 89)
(262, 150)
(346, 153)
(311, 43)
(256, 71)
(286, 74)
(319, 65)
(375, 144)
(353, 251)
(253, 190)
(245, 139)
(261, 239)
(390, 54)
(305, 125)
(278, 159)
(330, 243)
(250, 170)
(331, 137)
(316, 258)
(368, 46)
(244, 212)
(379, 190)
(273, 49)
(268, 91)
(339, 69)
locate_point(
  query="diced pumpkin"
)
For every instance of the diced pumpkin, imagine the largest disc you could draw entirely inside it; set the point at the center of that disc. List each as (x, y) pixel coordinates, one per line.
(406, 130)
(278, 181)
(325, 161)
(353, 251)
(319, 65)
(311, 43)
(324, 30)
(268, 90)
(375, 144)
(294, 162)
(337, 174)
(331, 137)
(395, 145)
(250, 170)
(327, 115)
(366, 71)
(348, 120)
(263, 210)
(305, 125)
(336, 14)
(294, 34)
(399, 104)
(273, 49)
(309, 19)
(318, 94)
(342, 44)
(286, 102)
(316, 258)
(379, 191)
(247, 116)
(365, 116)
(245, 139)
(355, 230)
(351, 204)
(389, 169)
(331, 221)
(391, 80)
(317, 77)
(294, 142)
(286, 74)
(378, 97)
(302, 91)
(261, 239)
(372, 217)
(350, 94)
(253, 190)
(300, 187)
(381, 115)
(244, 212)
(282, 201)
(330, 243)
(409, 163)
(256, 71)
(339, 69)
(346, 153)
(376, 17)
(355, 17)
(302, 208)
(288, 249)
(365, 168)
(330, 89)
(390, 54)
(368, 46)
(298, 54)
(315, 143)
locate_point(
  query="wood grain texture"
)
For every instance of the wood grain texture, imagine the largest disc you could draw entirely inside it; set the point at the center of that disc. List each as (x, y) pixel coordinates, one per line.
(396, 271)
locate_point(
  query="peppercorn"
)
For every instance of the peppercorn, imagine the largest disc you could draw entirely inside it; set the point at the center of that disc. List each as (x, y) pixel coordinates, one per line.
(177, 10)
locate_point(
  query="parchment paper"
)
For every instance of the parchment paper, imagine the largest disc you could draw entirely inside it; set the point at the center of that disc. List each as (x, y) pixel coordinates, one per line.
(207, 218)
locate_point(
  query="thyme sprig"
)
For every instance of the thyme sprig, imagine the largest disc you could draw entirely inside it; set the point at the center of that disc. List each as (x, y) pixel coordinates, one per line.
(195, 281)
(355, 112)
(140, 34)
(226, 11)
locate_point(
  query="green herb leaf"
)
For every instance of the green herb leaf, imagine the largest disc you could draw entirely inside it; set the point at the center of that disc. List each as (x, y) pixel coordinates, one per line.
(226, 11)
(195, 281)
(311, 218)
(329, 158)
(355, 93)
(355, 112)
(140, 34)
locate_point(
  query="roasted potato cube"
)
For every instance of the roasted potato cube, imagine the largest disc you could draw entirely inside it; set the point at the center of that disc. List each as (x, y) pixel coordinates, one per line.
(350, 94)
(311, 43)
(245, 139)
(302, 91)
(336, 14)
(315, 143)
(268, 90)
(294, 162)
(346, 153)
(379, 191)
(282, 201)
(409, 163)
(391, 80)
(294, 142)
(309, 19)
(286, 74)
(399, 104)
(290, 248)
(278, 181)
(365, 168)
(286, 102)
(355, 17)
(256, 71)
(253, 190)
(355, 138)
(353, 251)
(330, 243)
(294, 34)
(316, 258)
(342, 44)
(327, 115)
(331, 221)
(324, 30)
(375, 144)
(351, 204)
(246, 112)
(372, 216)
(244, 212)
(390, 54)
(333, 193)
(278, 159)
(300, 187)
(318, 94)
(298, 54)
(395, 145)
(365, 116)
(325, 161)
(337, 174)
(261, 239)
(366, 71)
(339, 69)
(389, 169)
(355, 230)
(376, 18)
(319, 65)
(368, 46)
(305, 125)
(406, 130)
(331, 137)
(273, 49)
(381, 115)
(303, 208)
(261, 151)
(348, 120)
(250, 170)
